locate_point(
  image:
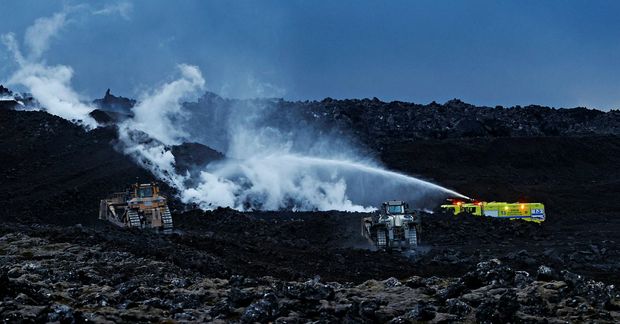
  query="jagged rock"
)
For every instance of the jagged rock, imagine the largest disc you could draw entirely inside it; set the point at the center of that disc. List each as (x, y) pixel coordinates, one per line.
(112, 103)
(545, 273)
(391, 282)
(489, 272)
(220, 309)
(368, 309)
(61, 313)
(522, 279)
(415, 282)
(4, 91)
(261, 311)
(7, 100)
(422, 312)
(457, 307)
(309, 290)
(107, 118)
(240, 298)
(191, 156)
(468, 127)
(180, 282)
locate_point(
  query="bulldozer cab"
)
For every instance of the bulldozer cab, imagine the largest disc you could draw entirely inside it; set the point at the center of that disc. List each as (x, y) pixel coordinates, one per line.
(145, 190)
(395, 207)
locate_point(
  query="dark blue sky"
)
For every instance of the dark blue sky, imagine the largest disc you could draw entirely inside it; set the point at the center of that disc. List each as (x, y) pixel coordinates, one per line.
(557, 53)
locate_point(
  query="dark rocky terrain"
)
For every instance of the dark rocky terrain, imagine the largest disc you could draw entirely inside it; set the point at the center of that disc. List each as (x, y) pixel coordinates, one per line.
(286, 266)
(379, 125)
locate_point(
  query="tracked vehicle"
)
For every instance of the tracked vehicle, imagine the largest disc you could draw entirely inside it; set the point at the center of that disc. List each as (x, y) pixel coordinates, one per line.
(393, 227)
(141, 206)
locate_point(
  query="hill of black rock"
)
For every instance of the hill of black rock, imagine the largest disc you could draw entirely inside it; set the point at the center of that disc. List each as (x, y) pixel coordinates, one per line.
(52, 170)
(286, 267)
(378, 124)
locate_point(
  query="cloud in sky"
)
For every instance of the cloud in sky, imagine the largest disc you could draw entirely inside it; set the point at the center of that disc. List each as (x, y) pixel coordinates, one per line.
(123, 9)
(505, 53)
(38, 36)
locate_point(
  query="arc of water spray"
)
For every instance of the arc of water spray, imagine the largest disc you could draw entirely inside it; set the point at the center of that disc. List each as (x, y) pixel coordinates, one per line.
(374, 170)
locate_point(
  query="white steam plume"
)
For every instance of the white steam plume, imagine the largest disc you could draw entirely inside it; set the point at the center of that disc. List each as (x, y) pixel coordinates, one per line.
(286, 181)
(50, 85)
(158, 111)
(38, 36)
(268, 167)
(147, 135)
(122, 8)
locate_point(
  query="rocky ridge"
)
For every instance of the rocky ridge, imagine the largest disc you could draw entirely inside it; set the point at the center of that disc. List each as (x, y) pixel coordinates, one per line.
(377, 124)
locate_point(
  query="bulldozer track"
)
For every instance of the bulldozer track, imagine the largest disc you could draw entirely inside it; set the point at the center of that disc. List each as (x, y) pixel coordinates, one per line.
(134, 219)
(381, 238)
(413, 237)
(167, 221)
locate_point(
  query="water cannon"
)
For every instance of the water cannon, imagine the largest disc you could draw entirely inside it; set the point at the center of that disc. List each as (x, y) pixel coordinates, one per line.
(460, 201)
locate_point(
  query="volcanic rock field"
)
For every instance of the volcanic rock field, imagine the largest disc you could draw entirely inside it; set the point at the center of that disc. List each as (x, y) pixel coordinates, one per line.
(59, 263)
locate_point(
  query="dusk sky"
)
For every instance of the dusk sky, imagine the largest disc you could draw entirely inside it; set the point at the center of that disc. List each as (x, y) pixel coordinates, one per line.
(555, 53)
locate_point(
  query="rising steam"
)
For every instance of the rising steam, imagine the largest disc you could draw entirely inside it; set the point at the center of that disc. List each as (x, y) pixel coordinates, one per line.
(50, 85)
(275, 158)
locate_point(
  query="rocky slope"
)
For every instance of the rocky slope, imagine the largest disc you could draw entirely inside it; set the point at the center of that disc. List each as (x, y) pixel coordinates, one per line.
(52, 170)
(74, 274)
(230, 266)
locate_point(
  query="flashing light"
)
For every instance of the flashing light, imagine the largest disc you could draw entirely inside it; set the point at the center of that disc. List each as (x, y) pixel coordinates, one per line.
(522, 206)
(459, 203)
(506, 207)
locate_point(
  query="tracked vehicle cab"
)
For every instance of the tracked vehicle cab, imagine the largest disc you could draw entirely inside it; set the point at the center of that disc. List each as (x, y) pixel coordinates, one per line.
(395, 207)
(146, 194)
(144, 191)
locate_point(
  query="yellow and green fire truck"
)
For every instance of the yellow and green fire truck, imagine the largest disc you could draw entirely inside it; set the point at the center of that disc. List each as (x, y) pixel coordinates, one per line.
(533, 212)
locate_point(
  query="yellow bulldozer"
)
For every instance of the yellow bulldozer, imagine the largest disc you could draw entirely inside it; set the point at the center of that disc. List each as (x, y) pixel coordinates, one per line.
(533, 212)
(141, 206)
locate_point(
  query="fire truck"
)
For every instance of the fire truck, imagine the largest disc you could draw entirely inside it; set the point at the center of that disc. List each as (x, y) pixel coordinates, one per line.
(532, 212)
